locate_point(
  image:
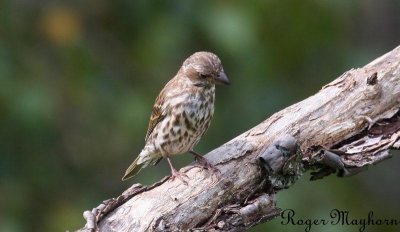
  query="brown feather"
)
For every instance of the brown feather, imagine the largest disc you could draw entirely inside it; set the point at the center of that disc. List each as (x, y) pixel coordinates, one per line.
(155, 118)
(157, 114)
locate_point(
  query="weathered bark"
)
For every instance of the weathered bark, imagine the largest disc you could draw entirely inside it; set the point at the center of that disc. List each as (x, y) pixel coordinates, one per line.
(348, 125)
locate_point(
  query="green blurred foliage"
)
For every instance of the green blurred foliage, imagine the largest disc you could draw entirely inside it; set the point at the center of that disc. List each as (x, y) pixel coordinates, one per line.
(78, 80)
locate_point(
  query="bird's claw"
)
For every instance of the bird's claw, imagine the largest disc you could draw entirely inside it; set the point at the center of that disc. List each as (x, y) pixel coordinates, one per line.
(180, 175)
(204, 164)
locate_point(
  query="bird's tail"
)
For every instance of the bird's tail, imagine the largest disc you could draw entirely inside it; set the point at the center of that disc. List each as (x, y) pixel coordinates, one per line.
(144, 158)
(133, 169)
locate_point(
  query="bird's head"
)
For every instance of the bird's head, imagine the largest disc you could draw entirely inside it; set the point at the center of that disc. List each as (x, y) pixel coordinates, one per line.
(204, 68)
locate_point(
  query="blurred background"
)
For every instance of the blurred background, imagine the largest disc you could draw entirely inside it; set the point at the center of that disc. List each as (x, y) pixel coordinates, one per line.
(78, 80)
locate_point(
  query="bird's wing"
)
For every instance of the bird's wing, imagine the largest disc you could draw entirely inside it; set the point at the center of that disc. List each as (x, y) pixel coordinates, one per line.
(156, 115)
(161, 108)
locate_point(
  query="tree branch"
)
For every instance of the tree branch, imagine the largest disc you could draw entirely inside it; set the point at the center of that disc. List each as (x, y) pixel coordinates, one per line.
(349, 124)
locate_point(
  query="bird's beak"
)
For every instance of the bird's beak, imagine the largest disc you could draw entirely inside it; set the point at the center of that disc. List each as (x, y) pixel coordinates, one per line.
(222, 79)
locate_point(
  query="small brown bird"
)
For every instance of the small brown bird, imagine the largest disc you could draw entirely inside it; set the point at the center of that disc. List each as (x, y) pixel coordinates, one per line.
(182, 112)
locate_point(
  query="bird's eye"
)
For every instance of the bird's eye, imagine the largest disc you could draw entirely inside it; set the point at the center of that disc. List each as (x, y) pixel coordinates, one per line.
(203, 75)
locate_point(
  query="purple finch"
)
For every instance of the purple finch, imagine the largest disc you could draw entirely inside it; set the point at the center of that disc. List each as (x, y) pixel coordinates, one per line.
(182, 112)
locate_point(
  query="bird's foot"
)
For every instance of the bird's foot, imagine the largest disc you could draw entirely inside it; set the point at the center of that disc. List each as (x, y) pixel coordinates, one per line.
(180, 175)
(177, 174)
(205, 164)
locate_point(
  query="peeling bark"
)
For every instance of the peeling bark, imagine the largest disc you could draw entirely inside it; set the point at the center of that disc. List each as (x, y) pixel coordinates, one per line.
(349, 124)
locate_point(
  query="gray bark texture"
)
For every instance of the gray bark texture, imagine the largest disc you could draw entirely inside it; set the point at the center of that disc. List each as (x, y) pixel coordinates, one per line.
(349, 124)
